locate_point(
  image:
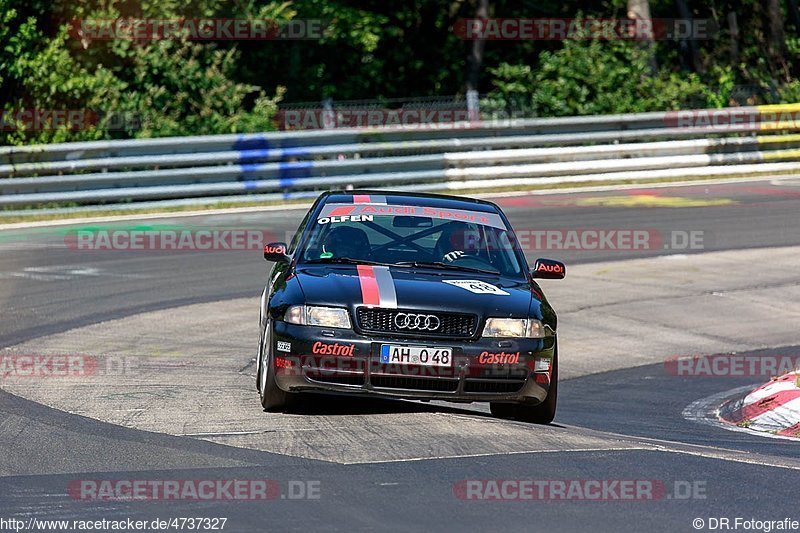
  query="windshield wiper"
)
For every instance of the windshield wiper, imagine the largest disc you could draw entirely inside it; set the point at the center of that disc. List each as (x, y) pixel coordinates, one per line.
(418, 264)
(345, 261)
(448, 266)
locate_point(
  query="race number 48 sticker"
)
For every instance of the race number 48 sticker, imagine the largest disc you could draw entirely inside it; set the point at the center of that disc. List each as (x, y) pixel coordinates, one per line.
(477, 286)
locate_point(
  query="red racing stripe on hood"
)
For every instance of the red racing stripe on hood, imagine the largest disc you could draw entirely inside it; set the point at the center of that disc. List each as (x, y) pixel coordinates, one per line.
(370, 295)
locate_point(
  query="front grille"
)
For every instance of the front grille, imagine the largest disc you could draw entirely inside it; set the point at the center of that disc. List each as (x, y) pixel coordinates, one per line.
(497, 387)
(413, 383)
(376, 320)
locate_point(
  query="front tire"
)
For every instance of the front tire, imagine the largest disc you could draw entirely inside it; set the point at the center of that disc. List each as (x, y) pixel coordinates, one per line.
(543, 412)
(273, 398)
(502, 410)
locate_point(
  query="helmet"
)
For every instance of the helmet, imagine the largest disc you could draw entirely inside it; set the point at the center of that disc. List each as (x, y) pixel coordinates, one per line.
(347, 241)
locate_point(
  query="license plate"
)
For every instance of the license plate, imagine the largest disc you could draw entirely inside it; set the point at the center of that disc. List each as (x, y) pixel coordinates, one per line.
(416, 355)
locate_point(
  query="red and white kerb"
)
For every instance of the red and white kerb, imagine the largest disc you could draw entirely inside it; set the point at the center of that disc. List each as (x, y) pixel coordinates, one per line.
(774, 407)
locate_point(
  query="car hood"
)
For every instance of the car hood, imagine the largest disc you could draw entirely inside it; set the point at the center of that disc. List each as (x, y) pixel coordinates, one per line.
(418, 289)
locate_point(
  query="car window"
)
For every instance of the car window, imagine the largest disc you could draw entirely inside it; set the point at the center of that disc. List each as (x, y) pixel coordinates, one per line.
(479, 241)
(298, 234)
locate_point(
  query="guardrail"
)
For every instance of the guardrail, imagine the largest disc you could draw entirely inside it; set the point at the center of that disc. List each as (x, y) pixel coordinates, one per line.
(234, 168)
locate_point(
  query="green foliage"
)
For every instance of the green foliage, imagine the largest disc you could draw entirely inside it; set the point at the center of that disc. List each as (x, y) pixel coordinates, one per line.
(370, 50)
(726, 78)
(593, 77)
(790, 92)
(511, 95)
(183, 88)
(125, 88)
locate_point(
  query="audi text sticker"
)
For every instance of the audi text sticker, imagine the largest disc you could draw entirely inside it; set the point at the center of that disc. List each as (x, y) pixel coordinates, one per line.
(477, 286)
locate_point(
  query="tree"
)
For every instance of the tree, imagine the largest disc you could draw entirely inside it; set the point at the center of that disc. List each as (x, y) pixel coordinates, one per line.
(475, 58)
(776, 35)
(639, 10)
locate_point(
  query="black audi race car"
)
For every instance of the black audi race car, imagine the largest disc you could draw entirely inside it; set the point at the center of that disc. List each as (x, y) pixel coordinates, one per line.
(409, 296)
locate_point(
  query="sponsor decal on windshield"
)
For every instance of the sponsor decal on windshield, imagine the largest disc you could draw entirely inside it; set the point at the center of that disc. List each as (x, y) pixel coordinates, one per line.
(356, 209)
(476, 286)
(368, 199)
(344, 218)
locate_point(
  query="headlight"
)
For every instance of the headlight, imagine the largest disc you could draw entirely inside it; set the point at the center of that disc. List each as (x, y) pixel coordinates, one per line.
(513, 327)
(311, 315)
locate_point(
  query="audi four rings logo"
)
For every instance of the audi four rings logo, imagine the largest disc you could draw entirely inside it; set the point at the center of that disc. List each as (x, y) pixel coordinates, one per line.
(415, 321)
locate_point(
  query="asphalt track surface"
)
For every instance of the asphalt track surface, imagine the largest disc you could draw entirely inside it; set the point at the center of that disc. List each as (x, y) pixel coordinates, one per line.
(626, 423)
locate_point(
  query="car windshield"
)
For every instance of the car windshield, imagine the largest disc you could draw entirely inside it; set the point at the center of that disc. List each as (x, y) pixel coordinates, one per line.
(412, 236)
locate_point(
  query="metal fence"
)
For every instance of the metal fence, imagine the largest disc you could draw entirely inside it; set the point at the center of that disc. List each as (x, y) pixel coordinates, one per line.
(455, 156)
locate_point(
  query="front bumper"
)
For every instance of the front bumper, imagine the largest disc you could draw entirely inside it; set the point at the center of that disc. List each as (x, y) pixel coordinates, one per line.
(310, 358)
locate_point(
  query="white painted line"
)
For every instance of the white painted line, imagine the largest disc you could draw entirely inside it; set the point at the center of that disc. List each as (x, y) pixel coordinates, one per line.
(150, 216)
(306, 205)
(21, 246)
(737, 458)
(65, 272)
(790, 181)
(254, 432)
(627, 187)
(720, 454)
(69, 270)
(35, 277)
(490, 454)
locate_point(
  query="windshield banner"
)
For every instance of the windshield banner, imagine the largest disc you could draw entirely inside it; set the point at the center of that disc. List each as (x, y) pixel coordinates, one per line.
(332, 213)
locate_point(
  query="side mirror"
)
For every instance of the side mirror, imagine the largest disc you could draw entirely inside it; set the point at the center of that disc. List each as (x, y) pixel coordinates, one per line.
(548, 269)
(276, 252)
